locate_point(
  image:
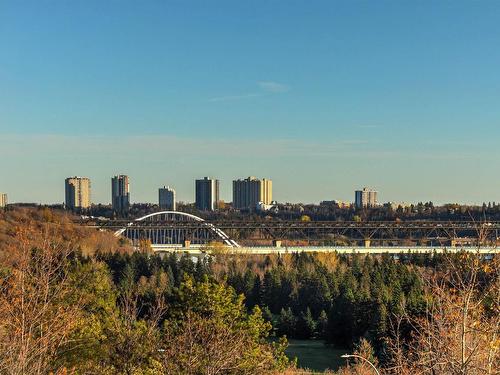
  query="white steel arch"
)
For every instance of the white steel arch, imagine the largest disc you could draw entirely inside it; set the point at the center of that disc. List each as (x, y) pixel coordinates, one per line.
(221, 234)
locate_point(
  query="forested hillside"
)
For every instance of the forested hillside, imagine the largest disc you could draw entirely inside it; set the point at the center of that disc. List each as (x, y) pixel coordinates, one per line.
(81, 301)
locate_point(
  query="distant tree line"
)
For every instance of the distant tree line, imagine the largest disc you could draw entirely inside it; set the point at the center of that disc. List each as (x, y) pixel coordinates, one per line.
(489, 211)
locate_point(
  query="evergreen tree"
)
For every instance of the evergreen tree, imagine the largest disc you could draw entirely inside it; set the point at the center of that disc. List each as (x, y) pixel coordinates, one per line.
(287, 323)
(306, 325)
(322, 325)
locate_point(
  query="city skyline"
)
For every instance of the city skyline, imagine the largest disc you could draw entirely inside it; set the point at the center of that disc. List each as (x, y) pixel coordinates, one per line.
(129, 198)
(401, 97)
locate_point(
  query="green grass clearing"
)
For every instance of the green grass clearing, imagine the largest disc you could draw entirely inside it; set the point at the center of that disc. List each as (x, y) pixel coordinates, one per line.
(315, 355)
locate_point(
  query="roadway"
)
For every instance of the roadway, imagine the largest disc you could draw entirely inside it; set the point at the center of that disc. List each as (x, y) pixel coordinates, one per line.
(267, 250)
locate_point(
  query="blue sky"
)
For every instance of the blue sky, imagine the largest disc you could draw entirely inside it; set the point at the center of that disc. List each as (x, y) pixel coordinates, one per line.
(321, 96)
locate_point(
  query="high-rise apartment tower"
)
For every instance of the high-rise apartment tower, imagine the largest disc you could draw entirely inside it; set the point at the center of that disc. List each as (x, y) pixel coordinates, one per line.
(166, 198)
(207, 194)
(77, 192)
(249, 192)
(3, 199)
(365, 198)
(120, 193)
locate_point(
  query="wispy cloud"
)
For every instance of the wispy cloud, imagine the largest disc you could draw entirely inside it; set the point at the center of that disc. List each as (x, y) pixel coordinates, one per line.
(234, 97)
(266, 88)
(274, 87)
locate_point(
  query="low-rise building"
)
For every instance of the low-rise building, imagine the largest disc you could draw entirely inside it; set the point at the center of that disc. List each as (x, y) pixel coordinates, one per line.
(336, 204)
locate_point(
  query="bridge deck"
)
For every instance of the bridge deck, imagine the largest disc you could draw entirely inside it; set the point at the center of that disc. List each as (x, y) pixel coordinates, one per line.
(266, 250)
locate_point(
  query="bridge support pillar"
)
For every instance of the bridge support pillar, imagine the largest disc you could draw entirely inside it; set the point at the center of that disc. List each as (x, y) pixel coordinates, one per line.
(367, 243)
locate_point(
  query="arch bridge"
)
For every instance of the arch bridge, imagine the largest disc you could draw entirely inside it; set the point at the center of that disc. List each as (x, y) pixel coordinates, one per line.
(173, 229)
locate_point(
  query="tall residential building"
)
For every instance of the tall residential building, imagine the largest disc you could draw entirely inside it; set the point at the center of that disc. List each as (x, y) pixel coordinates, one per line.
(249, 192)
(77, 192)
(207, 194)
(365, 198)
(166, 198)
(3, 199)
(120, 193)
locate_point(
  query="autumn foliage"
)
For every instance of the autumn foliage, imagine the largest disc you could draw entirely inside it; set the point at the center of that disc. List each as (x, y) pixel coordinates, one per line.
(76, 300)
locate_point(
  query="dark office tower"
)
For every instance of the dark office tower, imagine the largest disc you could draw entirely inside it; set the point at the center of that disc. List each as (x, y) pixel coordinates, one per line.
(120, 193)
(207, 194)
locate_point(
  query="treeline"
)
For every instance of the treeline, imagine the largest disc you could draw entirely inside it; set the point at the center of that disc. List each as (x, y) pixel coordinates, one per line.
(323, 212)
